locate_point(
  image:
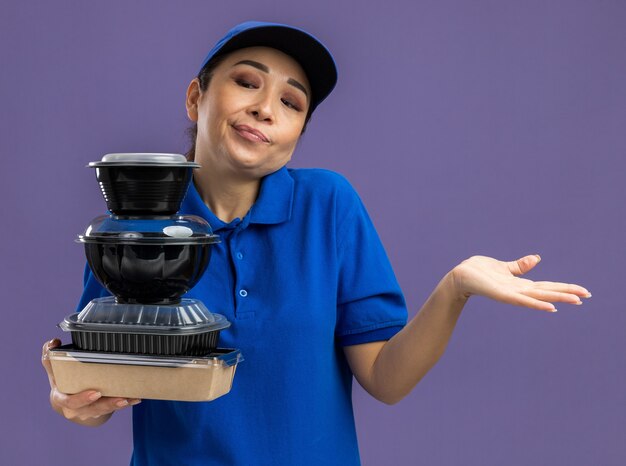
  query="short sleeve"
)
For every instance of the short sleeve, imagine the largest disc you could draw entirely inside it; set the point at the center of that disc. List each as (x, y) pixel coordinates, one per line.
(91, 289)
(370, 303)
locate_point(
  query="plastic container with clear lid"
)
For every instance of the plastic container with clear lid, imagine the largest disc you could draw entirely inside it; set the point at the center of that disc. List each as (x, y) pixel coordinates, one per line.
(178, 229)
(187, 328)
(144, 183)
(148, 261)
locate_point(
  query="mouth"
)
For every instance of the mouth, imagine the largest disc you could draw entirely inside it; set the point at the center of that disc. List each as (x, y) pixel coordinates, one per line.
(251, 134)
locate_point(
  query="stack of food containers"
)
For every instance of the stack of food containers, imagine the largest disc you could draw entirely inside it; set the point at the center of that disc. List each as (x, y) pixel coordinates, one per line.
(146, 341)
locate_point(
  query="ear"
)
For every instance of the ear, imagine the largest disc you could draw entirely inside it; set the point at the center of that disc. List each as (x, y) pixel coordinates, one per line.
(193, 96)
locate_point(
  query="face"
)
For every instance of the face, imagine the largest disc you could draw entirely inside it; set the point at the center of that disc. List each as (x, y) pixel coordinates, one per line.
(252, 114)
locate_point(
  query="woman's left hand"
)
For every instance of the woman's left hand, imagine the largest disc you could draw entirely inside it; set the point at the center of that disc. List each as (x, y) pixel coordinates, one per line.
(480, 275)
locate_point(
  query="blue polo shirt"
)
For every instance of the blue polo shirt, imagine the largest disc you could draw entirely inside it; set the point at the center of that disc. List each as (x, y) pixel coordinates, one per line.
(301, 275)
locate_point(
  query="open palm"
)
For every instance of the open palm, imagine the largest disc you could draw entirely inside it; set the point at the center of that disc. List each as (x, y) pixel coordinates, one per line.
(498, 280)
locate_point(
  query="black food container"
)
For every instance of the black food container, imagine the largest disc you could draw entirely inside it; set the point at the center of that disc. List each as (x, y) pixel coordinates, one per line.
(144, 184)
(148, 261)
(104, 325)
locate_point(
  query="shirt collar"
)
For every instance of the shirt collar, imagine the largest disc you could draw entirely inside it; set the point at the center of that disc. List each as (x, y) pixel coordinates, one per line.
(272, 206)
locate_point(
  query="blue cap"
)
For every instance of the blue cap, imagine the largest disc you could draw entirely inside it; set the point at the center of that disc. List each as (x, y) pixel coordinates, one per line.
(309, 52)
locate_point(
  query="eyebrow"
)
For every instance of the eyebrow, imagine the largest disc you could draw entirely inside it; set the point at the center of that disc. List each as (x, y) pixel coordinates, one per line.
(265, 69)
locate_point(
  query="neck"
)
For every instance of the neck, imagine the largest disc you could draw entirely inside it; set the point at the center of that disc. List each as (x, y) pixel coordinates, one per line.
(227, 197)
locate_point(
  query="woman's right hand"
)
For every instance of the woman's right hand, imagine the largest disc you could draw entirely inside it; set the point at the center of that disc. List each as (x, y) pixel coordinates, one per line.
(88, 407)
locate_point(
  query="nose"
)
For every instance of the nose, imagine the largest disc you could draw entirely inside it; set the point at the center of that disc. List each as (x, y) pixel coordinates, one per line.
(262, 109)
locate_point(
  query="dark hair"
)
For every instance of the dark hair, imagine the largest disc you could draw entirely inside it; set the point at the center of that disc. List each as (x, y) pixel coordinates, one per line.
(204, 77)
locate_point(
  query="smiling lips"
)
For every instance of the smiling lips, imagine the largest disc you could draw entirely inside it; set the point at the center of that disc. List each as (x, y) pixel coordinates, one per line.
(251, 134)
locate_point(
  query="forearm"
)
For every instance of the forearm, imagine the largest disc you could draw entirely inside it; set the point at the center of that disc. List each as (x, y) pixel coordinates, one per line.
(411, 353)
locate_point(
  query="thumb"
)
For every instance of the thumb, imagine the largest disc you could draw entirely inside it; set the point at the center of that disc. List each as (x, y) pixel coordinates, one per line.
(523, 265)
(45, 358)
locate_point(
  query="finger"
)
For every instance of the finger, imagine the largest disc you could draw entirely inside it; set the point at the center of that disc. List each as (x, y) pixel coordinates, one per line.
(78, 400)
(105, 405)
(564, 288)
(524, 264)
(126, 402)
(45, 358)
(519, 299)
(48, 345)
(552, 296)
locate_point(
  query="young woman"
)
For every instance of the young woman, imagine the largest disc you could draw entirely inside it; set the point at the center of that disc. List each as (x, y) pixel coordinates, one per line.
(300, 273)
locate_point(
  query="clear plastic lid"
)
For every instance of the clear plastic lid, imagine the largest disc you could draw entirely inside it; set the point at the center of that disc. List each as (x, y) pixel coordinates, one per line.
(177, 229)
(219, 357)
(190, 316)
(147, 158)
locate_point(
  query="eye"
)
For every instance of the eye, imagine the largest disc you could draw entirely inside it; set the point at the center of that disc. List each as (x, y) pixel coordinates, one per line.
(244, 83)
(291, 105)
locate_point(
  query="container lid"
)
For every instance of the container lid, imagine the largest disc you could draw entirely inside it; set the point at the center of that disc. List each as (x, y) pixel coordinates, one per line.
(144, 159)
(218, 357)
(188, 317)
(176, 229)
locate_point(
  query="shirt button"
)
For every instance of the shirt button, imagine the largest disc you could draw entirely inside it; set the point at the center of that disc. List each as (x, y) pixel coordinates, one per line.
(243, 293)
(239, 255)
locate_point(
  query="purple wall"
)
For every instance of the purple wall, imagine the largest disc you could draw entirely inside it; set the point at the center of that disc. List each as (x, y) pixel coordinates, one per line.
(484, 127)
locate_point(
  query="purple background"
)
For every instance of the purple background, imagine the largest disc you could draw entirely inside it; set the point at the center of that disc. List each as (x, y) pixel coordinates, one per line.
(483, 127)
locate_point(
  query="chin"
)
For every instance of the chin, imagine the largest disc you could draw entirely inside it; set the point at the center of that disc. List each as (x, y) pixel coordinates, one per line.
(258, 165)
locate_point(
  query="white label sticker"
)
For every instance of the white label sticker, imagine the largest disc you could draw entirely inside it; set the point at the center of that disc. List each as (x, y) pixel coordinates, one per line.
(176, 231)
